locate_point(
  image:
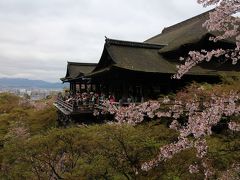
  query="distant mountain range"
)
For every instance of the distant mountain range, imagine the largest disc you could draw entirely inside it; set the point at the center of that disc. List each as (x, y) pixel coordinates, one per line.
(27, 83)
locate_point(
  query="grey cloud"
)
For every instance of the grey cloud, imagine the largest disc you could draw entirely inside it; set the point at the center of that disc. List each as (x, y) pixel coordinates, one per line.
(38, 37)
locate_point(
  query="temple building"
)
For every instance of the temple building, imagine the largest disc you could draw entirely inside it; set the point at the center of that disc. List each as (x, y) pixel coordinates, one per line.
(75, 75)
(143, 70)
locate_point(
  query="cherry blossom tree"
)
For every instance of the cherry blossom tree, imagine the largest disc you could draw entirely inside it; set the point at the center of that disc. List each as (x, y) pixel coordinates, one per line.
(202, 110)
(225, 20)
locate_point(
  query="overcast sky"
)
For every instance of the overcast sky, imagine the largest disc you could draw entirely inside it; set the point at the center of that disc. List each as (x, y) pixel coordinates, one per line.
(38, 37)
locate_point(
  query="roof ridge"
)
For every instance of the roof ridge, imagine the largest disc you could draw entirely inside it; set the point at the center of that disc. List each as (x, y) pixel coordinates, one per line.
(170, 28)
(133, 44)
(82, 63)
(165, 30)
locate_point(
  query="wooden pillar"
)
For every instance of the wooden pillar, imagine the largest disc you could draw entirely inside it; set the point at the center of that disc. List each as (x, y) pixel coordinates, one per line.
(71, 86)
(85, 87)
(74, 87)
(98, 88)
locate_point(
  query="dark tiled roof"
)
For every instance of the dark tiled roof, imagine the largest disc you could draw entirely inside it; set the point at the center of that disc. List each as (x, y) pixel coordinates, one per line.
(138, 58)
(76, 70)
(144, 59)
(186, 32)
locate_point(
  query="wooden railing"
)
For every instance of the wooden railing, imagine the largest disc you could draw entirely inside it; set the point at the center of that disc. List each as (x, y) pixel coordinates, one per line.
(67, 105)
(72, 106)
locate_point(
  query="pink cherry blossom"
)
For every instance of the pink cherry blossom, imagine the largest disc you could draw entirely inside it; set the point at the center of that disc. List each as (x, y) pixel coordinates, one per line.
(225, 20)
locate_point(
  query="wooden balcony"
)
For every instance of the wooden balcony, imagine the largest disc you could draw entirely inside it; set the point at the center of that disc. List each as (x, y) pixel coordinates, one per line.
(71, 107)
